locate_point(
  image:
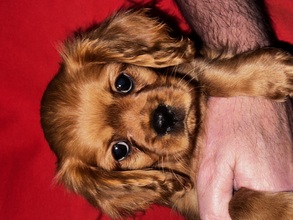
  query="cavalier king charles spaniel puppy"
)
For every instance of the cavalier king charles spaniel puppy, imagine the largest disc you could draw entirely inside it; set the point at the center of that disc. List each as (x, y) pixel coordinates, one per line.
(124, 115)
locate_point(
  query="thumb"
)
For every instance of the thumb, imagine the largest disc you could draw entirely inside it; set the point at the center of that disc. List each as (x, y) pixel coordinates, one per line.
(214, 187)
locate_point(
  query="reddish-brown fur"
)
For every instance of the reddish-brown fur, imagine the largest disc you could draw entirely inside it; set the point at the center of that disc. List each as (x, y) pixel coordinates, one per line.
(84, 115)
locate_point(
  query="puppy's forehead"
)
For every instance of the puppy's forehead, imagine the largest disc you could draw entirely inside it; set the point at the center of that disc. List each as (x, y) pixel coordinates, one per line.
(95, 97)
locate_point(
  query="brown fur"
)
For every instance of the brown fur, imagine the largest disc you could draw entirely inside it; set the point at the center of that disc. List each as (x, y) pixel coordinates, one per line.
(84, 115)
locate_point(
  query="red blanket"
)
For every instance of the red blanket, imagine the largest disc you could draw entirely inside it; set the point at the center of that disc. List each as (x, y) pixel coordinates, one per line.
(29, 33)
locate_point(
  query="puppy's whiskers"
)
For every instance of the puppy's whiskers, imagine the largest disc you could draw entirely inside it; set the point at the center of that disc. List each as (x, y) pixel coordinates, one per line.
(162, 162)
(174, 71)
(180, 160)
(185, 83)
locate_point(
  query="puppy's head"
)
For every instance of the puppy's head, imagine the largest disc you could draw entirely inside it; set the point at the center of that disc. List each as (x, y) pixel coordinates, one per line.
(121, 124)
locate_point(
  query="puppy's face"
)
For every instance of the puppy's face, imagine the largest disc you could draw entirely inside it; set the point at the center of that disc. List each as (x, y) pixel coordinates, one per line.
(117, 125)
(132, 117)
(121, 124)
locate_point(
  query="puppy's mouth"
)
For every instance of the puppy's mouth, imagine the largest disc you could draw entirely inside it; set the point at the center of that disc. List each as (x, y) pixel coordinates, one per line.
(190, 121)
(176, 173)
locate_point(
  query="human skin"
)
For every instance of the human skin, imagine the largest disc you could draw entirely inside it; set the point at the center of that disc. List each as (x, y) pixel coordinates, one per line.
(248, 141)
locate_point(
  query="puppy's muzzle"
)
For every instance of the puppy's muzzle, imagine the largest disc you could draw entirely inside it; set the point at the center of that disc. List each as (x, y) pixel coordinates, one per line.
(164, 119)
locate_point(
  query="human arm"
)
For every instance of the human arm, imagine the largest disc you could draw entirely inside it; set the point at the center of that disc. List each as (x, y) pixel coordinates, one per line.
(248, 141)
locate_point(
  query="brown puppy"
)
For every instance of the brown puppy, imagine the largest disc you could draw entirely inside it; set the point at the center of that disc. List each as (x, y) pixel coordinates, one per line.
(125, 111)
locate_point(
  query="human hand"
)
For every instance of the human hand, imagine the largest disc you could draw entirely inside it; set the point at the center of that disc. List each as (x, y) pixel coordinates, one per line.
(247, 143)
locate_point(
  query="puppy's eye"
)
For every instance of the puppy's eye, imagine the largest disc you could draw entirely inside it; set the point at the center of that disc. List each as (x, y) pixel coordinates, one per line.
(120, 150)
(124, 83)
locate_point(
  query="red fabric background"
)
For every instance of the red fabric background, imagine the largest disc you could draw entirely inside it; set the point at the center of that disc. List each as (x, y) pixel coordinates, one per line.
(29, 33)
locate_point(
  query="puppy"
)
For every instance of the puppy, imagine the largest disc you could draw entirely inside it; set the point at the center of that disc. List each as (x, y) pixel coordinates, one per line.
(124, 115)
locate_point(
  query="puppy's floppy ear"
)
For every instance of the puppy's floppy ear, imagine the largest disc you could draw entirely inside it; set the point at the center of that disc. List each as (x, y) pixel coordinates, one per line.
(131, 37)
(121, 193)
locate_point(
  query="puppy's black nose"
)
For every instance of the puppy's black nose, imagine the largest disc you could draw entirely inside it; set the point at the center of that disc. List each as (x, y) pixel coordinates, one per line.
(163, 119)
